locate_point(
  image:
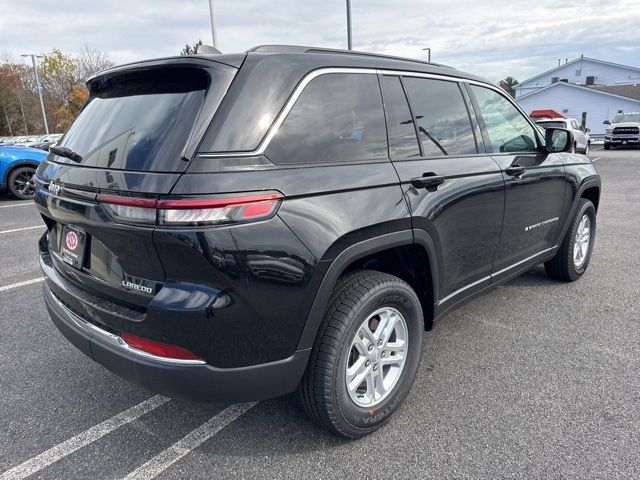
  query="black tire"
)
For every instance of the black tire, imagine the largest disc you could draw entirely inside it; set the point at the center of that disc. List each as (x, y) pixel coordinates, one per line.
(562, 265)
(323, 390)
(607, 146)
(19, 182)
(586, 148)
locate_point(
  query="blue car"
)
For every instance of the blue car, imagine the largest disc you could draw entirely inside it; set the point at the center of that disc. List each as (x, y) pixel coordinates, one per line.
(17, 166)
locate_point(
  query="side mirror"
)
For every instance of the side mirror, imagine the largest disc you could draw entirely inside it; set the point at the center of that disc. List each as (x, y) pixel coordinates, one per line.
(606, 122)
(587, 130)
(558, 140)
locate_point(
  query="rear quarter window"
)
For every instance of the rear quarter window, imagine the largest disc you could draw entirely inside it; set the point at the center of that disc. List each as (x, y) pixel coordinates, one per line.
(337, 118)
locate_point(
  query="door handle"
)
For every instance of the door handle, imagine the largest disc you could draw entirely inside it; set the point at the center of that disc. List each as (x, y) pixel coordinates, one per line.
(428, 180)
(515, 170)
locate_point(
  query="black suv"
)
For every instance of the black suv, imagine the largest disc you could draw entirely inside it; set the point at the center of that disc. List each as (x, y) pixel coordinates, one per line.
(236, 227)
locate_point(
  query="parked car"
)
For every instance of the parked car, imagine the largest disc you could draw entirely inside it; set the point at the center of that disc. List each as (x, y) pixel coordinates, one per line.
(623, 130)
(47, 141)
(17, 166)
(582, 142)
(294, 218)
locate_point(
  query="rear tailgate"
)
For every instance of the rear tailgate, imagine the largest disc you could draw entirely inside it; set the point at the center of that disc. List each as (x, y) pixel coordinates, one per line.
(134, 137)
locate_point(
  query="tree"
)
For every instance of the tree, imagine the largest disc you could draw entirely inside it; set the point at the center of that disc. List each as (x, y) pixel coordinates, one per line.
(57, 75)
(17, 100)
(509, 85)
(64, 116)
(91, 61)
(190, 50)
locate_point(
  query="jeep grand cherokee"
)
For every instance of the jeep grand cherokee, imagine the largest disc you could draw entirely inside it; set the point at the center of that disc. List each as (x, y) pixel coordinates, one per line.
(238, 227)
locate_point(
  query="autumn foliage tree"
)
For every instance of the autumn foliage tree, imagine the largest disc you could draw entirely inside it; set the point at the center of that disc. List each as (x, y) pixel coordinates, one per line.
(62, 77)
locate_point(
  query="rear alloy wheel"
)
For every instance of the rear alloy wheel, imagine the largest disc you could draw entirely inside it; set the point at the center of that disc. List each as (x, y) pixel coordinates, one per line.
(365, 356)
(573, 148)
(586, 149)
(572, 258)
(20, 184)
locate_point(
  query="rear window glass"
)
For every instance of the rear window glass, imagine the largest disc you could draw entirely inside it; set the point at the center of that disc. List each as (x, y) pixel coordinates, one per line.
(337, 118)
(140, 120)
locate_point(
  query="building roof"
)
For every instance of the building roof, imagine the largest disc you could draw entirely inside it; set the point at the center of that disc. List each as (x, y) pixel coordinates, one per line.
(575, 61)
(631, 91)
(596, 90)
(545, 114)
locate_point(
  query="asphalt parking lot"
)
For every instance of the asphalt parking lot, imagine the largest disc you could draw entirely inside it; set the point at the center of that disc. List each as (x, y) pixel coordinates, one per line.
(536, 379)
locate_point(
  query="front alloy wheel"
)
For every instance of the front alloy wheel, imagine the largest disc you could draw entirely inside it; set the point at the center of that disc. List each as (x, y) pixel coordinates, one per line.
(572, 258)
(582, 241)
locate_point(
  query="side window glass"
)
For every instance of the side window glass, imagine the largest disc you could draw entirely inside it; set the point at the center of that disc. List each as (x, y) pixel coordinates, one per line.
(508, 130)
(337, 118)
(442, 117)
(403, 142)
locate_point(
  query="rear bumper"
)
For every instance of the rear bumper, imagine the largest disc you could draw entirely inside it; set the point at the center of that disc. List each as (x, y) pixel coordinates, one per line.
(179, 379)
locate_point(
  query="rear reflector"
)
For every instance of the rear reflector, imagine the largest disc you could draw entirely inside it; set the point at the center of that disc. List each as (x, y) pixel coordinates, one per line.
(191, 211)
(157, 348)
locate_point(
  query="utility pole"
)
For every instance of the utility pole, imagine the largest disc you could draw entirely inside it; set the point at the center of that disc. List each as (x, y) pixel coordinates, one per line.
(35, 70)
(428, 53)
(349, 42)
(213, 25)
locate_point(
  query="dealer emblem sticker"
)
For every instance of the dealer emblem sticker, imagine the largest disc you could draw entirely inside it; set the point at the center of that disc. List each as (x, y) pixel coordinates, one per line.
(71, 240)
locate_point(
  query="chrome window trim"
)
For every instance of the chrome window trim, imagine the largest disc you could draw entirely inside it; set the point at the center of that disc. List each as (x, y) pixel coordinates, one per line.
(115, 340)
(273, 130)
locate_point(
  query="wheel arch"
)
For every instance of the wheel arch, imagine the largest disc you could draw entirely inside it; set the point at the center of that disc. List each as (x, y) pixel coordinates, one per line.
(592, 193)
(17, 164)
(590, 189)
(390, 253)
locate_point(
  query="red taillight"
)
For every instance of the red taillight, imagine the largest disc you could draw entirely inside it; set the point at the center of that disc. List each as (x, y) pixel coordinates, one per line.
(191, 211)
(157, 348)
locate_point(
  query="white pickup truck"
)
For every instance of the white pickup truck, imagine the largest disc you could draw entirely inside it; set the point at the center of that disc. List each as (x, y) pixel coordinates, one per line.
(624, 129)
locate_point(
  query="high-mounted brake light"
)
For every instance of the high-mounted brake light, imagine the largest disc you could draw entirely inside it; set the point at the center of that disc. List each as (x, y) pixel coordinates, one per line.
(191, 211)
(158, 349)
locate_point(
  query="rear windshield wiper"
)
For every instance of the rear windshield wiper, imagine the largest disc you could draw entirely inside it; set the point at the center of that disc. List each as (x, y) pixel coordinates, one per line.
(65, 152)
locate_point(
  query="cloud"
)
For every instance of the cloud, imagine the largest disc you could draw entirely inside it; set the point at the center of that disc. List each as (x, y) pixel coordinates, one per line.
(493, 38)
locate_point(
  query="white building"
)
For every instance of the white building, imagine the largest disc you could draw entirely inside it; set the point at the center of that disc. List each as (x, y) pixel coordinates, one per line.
(585, 87)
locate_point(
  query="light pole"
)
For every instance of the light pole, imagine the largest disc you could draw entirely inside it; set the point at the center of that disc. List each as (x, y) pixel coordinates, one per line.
(213, 27)
(428, 53)
(349, 43)
(35, 70)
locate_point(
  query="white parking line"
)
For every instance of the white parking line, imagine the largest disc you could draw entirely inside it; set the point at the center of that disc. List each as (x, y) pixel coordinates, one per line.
(21, 284)
(23, 228)
(83, 439)
(17, 204)
(186, 444)
(595, 159)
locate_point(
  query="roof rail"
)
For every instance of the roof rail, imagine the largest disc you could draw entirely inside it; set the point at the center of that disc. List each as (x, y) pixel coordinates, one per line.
(307, 49)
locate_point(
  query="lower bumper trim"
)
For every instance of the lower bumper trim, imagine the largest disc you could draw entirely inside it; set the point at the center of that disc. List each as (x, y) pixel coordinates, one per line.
(200, 382)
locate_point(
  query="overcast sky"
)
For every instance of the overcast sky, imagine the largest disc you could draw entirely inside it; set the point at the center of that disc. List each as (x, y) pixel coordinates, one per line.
(494, 38)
